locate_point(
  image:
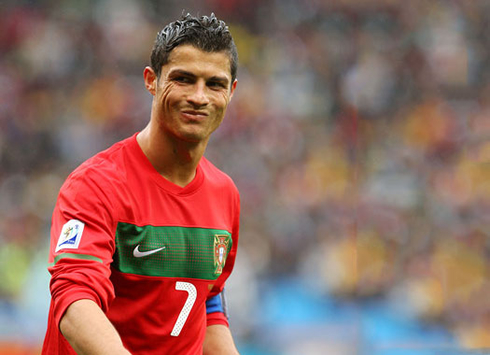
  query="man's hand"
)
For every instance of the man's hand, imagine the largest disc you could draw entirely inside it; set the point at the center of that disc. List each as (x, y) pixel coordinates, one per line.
(88, 330)
(219, 341)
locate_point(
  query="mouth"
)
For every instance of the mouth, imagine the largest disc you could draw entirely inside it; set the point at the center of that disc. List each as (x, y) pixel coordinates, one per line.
(194, 115)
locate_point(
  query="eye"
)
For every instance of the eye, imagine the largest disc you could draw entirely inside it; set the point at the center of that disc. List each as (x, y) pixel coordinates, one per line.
(182, 79)
(216, 84)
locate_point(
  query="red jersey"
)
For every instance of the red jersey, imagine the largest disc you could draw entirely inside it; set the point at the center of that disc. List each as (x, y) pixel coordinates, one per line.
(148, 252)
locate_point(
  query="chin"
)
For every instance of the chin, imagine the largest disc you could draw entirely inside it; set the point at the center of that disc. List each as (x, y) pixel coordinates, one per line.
(193, 137)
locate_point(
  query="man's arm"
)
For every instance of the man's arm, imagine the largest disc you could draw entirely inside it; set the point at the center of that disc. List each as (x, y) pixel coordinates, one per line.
(88, 330)
(219, 341)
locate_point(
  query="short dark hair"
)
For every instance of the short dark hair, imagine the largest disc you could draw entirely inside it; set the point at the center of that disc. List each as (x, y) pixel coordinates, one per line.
(206, 33)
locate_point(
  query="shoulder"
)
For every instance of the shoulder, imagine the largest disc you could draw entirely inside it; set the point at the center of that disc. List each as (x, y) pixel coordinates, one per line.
(217, 177)
(102, 172)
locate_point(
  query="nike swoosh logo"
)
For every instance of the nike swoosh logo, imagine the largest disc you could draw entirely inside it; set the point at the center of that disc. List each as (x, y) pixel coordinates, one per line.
(139, 254)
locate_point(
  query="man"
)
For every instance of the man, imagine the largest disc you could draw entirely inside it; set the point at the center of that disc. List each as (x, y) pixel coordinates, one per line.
(145, 234)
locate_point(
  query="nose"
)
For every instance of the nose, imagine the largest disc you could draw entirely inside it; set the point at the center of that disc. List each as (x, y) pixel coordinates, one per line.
(198, 96)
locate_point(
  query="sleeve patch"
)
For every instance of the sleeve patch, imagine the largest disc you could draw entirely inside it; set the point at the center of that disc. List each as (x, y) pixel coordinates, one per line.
(70, 236)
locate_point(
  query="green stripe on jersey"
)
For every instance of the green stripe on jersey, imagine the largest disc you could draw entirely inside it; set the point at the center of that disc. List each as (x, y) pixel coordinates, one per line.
(74, 256)
(198, 253)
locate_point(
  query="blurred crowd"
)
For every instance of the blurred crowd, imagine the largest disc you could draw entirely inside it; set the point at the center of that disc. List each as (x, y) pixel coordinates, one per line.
(359, 138)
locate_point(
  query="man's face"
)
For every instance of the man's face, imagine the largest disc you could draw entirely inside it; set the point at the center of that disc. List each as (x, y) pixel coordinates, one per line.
(192, 93)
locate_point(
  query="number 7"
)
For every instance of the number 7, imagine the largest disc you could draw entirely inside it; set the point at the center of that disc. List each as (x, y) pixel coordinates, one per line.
(184, 313)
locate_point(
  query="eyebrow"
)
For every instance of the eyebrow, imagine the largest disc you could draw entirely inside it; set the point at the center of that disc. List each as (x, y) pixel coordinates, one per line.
(221, 79)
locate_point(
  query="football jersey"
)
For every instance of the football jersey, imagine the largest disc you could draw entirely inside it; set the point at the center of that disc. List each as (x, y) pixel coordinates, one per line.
(150, 253)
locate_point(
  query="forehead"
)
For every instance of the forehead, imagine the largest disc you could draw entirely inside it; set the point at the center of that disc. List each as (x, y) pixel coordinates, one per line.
(201, 63)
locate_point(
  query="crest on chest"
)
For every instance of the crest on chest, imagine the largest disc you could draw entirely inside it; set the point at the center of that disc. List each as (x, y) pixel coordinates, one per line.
(220, 250)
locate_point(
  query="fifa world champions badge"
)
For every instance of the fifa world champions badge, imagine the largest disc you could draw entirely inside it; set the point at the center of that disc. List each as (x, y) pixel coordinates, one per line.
(70, 236)
(221, 243)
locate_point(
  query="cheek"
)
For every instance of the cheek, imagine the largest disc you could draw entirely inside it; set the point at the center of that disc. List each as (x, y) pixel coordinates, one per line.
(222, 100)
(167, 95)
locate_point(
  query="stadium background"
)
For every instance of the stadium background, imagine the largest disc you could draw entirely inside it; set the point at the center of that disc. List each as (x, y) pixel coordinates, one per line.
(359, 138)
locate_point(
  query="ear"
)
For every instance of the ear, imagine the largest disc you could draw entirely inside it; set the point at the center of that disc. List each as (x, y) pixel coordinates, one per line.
(150, 80)
(233, 87)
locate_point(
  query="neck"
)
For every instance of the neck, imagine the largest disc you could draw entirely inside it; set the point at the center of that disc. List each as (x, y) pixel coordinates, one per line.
(174, 159)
